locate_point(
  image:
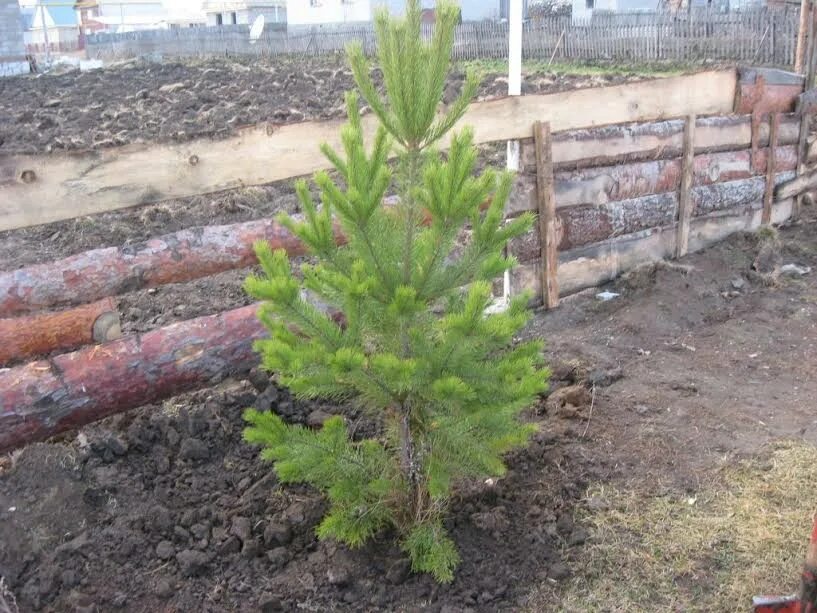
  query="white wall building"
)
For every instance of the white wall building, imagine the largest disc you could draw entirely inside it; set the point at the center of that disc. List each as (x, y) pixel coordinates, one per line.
(324, 12)
(310, 13)
(230, 12)
(583, 9)
(12, 51)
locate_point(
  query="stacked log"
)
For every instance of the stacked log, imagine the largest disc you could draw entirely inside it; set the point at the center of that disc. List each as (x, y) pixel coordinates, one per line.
(46, 397)
(24, 337)
(173, 258)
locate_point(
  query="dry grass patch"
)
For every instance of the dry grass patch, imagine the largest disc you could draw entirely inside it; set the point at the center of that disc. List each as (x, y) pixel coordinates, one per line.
(743, 534)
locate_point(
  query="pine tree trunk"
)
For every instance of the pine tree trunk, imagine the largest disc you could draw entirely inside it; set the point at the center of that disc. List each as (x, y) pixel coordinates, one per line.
(408, 462)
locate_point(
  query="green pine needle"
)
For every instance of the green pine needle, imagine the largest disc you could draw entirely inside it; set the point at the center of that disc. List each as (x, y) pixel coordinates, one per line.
(413, 345)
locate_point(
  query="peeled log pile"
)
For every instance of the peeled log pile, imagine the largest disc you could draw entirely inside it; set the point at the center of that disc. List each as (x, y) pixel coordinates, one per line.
(658, 140)
(24, 337)
(592, 265)
(46, 397)
(600, 185)
(173, 258)
(584, 225)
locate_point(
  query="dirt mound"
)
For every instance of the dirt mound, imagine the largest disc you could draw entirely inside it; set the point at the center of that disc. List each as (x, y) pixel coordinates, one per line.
(168, 509)
(176, 101)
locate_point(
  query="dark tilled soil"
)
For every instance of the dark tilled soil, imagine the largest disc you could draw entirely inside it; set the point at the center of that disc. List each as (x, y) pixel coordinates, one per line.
(126, 103)
(168, 510)
(140, 101)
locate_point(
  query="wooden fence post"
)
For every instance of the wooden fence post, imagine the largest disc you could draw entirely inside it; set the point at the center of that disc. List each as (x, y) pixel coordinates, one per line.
(768, 195)
(684, 197)
(805, 117)
(800, 52)
(546, 201)
(755, 142)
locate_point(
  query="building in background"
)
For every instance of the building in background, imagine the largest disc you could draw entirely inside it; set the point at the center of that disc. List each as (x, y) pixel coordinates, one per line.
(470, 10)
(316, 13)
(583, 9)
(505, 9)
(52, 24)
(129, 15)
(232, 12)
(12, 48)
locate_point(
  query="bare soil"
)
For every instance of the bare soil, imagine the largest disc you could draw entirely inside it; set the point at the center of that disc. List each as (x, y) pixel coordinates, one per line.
(166, 509)
(140, 101)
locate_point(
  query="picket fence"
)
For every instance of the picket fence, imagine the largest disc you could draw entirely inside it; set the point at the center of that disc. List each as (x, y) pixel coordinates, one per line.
(760, 36)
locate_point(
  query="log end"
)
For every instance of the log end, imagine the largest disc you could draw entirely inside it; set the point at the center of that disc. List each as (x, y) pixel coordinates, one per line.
(107, 327)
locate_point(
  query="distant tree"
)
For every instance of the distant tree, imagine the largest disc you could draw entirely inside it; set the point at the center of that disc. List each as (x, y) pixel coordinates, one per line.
(549, 8)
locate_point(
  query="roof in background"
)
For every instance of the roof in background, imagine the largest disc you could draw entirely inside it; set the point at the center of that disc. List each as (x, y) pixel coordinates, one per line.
(59, 13)
(62, 15)
(27, 17)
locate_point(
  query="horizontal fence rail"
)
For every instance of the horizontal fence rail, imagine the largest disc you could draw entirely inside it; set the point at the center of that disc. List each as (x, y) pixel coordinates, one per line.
(760, 36)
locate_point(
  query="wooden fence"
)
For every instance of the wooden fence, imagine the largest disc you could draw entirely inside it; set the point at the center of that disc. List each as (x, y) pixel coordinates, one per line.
(620, 176)
(766, 36)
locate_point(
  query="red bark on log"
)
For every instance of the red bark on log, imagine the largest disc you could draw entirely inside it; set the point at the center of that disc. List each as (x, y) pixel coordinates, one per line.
(24, 337)
(46, 397)
(172, 258)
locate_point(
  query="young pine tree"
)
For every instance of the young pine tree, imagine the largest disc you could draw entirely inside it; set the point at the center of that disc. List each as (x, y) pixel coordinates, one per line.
(416, 348)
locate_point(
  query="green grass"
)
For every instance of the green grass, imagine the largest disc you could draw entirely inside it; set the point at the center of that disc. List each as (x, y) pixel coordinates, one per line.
(491, 66)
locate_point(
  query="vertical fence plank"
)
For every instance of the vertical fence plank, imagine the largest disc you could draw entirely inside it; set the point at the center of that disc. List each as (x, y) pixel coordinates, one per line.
(761, 35)
(771, 163)
(546, 202)
(684, 197)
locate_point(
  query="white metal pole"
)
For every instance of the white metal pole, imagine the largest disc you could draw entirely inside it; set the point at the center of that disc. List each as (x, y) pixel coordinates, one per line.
(514, 89)
(45, 34)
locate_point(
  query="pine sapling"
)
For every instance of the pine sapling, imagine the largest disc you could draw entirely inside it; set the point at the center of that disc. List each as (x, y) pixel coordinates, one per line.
(413, 280)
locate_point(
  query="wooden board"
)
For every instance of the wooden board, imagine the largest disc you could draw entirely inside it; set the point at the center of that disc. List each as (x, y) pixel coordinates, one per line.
(767, 90)
(594, 265)
(771, 165)
(44, 188)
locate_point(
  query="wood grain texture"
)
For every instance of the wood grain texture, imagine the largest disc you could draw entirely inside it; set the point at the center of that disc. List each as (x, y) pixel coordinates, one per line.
(657, 140)
(796, 187)
(173, 258)
(44, 188)
(599, 263)
(685, 194)
(546, 201)
(579, 226)
(768, 197)
(604, 184)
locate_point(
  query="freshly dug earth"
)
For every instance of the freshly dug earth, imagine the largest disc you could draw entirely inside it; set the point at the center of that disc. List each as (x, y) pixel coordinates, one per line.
(140, 101)
(166, 509)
